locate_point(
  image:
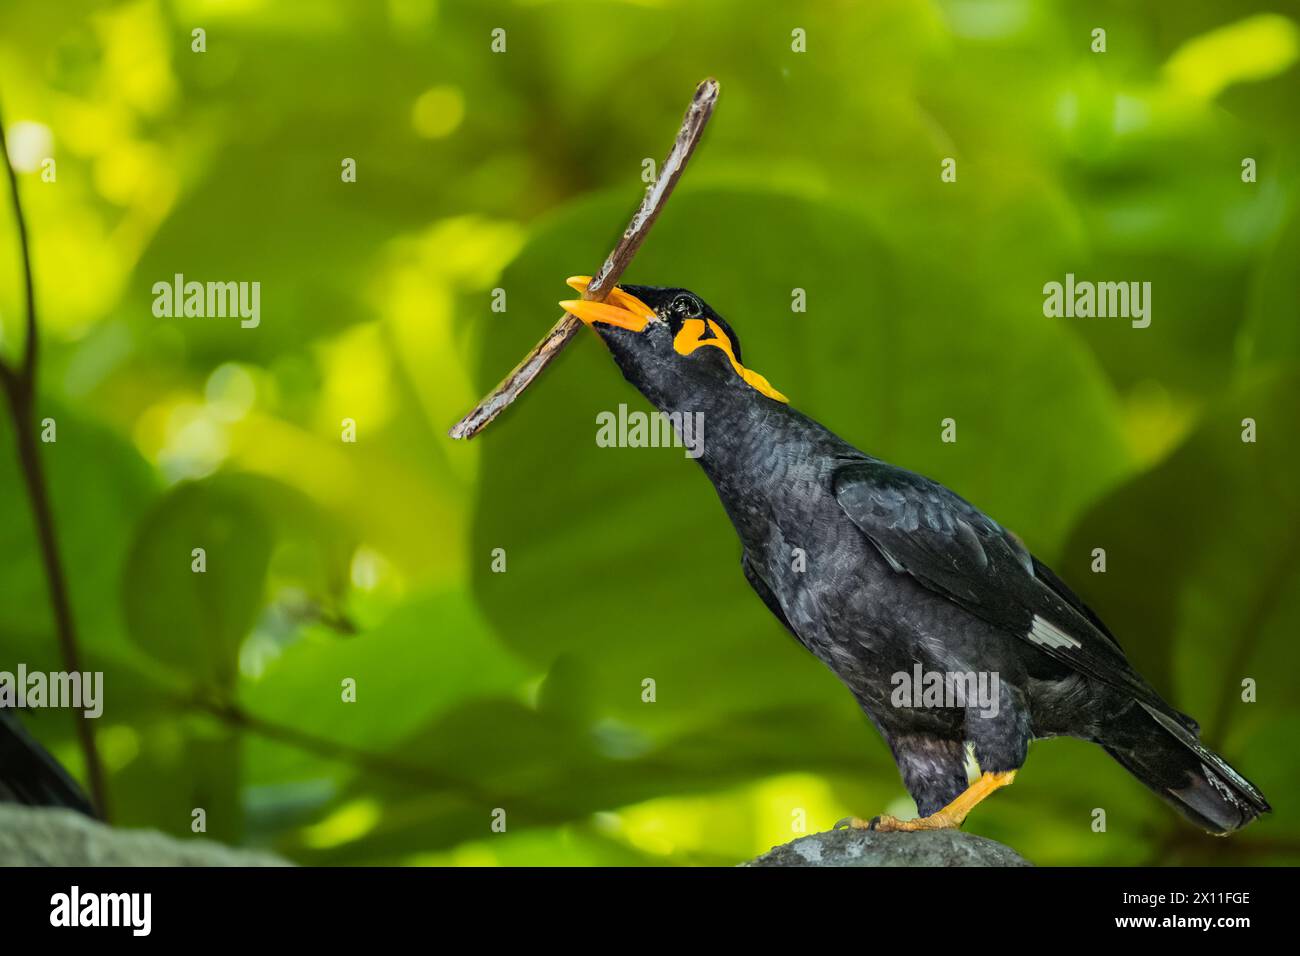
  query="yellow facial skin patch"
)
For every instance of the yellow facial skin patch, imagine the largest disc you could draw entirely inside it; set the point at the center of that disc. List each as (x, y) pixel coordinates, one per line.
(626, 311)
(695, 333)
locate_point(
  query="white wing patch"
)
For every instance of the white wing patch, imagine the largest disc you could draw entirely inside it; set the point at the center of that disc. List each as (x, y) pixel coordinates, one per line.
(1044, 632)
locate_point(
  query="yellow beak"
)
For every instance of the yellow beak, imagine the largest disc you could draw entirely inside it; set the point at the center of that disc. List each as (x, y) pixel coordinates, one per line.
(621, 309)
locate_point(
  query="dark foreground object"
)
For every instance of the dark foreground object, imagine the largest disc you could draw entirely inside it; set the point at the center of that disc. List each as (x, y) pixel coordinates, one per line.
(28, 774)
(873, 848)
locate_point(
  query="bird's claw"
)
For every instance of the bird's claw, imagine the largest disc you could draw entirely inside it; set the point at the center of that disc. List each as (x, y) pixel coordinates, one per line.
(857, 823)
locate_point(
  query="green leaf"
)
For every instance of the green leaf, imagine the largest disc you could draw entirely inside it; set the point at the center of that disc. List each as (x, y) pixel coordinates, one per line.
(428, 655)
(194, 621)
(94, 515)
(1272, 328)
(200, 764)
(1205, 532)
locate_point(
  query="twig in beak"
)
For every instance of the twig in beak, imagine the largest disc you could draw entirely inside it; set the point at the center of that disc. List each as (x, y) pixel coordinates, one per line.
(513, 385)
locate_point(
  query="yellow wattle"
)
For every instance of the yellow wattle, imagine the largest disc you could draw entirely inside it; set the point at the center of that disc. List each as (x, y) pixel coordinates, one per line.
(688, 340)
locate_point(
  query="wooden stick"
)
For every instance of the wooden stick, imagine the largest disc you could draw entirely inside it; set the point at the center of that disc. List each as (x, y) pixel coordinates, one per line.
(542, 354)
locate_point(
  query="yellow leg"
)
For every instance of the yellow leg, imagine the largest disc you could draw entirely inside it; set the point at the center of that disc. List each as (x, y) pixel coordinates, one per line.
(951, 816)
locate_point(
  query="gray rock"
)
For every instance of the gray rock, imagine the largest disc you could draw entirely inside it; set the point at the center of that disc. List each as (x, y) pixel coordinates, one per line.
(872, 848)
(47, 836)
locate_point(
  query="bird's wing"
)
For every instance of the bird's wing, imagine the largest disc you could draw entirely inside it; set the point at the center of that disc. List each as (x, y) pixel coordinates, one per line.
(947, 544)
(763, 591)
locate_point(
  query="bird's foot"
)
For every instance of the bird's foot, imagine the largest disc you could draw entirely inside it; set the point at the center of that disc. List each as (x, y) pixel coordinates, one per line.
(949, 818)
(885, 823)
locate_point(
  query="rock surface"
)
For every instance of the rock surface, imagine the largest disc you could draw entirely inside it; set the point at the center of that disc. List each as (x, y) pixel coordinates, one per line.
(46, 836)
(871, 848)
(42, 836)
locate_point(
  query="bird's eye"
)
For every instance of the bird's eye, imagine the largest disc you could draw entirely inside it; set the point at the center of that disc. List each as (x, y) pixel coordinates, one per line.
(685, 307)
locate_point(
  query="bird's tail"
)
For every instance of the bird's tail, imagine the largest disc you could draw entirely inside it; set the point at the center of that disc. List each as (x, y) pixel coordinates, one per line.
(28, 774)
(1166, 755)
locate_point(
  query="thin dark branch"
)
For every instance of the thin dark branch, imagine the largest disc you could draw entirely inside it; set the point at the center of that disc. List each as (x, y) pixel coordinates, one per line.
(9, 380)
(28, 369)
(513, 385)
(20, 389)
(423, 777)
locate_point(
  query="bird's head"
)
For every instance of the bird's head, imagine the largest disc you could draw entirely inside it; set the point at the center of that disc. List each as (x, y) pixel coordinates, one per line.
(667, 341)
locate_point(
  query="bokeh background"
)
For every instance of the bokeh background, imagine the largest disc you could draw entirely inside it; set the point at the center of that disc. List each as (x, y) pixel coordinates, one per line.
(479, 170)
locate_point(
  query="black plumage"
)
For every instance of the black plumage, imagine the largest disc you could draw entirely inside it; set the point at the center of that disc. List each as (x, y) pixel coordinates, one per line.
(899, 571)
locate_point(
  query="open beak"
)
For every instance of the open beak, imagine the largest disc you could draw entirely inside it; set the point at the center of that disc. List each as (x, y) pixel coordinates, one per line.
(621, 309)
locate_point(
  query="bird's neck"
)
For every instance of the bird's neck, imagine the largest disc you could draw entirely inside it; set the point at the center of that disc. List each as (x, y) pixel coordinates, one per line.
(756, 451)
(724, 419)
(752, 447)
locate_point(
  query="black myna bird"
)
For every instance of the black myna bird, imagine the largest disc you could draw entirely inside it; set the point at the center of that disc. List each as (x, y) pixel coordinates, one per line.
(902, 575)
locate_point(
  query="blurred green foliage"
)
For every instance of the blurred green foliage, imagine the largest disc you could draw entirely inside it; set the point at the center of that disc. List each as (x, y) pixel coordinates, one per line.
(329, 561)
